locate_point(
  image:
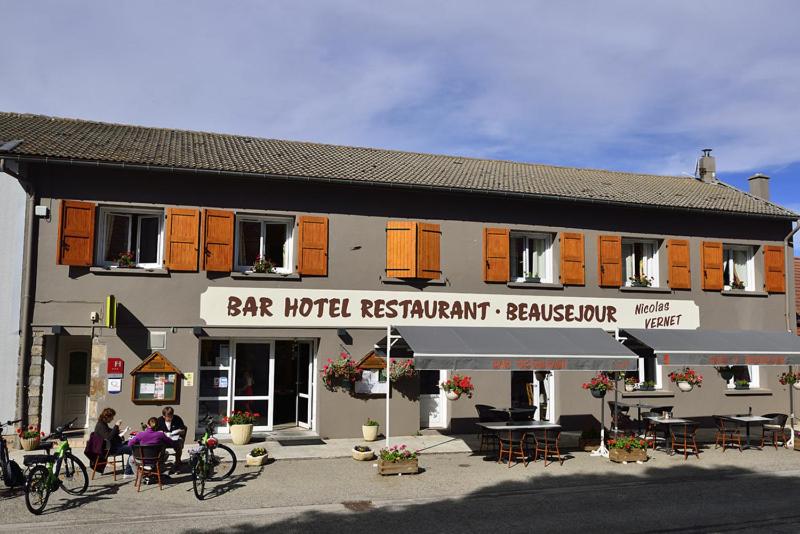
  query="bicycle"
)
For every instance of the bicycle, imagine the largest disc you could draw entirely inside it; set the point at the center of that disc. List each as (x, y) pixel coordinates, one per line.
(45, 475)
(10, 471)
(206, 458)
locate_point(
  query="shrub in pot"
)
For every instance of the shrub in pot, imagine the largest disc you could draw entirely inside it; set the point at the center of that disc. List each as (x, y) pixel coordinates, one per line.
(742, 384)
(624, 449)
(362, 453)
(257, 456)
(241, 425)
(370, 430)
(630, 384)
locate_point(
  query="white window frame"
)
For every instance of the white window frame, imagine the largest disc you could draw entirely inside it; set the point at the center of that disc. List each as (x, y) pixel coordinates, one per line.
(750, 283)
(288, 248)
(548, 255)
(755, 379)
(651, 263)
(125, 211)
(659, 373)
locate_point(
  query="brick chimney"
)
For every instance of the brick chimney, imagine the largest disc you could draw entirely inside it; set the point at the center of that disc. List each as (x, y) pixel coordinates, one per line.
(759, 186)
(707, 167)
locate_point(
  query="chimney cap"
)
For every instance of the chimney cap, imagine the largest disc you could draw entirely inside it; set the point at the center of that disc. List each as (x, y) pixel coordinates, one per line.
(707, 152)
(758, 175)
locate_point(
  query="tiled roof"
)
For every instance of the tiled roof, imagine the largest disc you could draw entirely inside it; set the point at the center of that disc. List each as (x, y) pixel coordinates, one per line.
(117, 143)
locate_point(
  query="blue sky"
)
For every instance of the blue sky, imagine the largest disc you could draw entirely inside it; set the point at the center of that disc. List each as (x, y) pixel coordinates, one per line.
(639, 86)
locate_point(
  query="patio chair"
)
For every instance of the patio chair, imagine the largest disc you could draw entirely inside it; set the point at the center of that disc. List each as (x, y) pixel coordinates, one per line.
(775, 429)
(623, 421)
(726, 434)
(99, 453)
(148, 460)
(653, 429)
(684, 437)
(512, 444)
(486, 414)
(546, 444)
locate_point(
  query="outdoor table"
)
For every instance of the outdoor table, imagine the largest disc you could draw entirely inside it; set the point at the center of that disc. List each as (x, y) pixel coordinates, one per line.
(747, 419)
(520, 425)
(639, 405)
(515, 411)
(668, 421)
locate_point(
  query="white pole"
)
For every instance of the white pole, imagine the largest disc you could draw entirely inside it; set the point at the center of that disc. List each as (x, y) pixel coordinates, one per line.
(790, 443)
(388, 379)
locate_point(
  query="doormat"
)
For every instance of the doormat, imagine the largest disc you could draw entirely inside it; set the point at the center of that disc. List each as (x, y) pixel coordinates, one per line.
(296, 442)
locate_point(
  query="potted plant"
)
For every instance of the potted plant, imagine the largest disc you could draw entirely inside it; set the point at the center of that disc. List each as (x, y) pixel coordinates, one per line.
(742, 384)
(789, 378)
(630, 383)
(686, 379)
(725, 372)
(30, 437)
(624, 449)
(370, 430)
(397, 460)
(458, 385)
(598, 385)
(263, 265)
(737, 283)
(125, 260)
(340, 372)
(641, 281)
(241, 425)
(362, 453)
(400, 369)
(256, 457)
(533, 278)
(647, 385)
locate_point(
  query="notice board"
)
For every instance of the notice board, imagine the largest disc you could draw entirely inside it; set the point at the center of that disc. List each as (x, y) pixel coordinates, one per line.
(156, 381)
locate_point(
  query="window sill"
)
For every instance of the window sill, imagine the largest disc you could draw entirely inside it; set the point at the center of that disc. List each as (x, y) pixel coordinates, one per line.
(752, 392)
(744, 293)
(265, 276)
(633, 289)
(129, 271)
(415, 281)
(646, 394)
(535, 285)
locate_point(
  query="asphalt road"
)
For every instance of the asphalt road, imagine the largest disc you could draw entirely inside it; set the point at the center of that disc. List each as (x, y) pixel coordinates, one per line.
(754, 491)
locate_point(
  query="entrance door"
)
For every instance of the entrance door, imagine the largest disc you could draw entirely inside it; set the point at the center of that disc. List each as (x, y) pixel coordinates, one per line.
(305, 379)
(543, 395)
(72, 387)
(254, 367)
(432, 402)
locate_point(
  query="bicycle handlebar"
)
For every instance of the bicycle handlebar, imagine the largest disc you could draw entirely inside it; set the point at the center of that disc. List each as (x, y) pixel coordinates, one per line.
(9, 423)
(59, 431)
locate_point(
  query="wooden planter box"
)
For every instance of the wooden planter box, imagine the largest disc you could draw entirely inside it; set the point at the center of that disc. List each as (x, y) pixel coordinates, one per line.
(621, 455)
(406, 467)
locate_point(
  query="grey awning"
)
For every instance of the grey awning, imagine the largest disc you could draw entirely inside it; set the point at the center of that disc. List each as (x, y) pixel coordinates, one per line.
(711, 347)
(475, 348)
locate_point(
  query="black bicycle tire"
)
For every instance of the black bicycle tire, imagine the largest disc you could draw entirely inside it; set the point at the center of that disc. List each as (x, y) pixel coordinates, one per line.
(232, 462)
(199, 478)
(82, 468)
(28, 480)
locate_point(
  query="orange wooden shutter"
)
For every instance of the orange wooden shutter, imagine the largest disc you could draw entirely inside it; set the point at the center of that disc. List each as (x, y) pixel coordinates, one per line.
(183, 230)
(313, 253)
(429, 237)
(401, 249)
(496, 255)
(609, 249)
(774, 269)
(572, 259)
(712, 265)
(680, 274)
(218, 228)
(76, 234)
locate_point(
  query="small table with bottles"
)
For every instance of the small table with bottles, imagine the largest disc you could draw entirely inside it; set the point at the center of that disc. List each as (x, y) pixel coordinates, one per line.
(748, 419)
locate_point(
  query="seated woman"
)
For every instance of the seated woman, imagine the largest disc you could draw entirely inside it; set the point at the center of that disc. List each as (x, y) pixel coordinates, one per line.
(110, 434)
(173, 425)
(148, 437)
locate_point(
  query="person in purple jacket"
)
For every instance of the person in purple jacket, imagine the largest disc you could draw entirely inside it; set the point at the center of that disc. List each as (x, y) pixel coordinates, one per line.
(149, 437)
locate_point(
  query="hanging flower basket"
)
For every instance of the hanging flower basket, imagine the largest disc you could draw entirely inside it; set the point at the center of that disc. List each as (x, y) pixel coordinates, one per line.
(598, 385)
(684, 386)
(686, 379)
(400, 369)
(598, 393)
(790, 378)
(458, 385)
(339, 373)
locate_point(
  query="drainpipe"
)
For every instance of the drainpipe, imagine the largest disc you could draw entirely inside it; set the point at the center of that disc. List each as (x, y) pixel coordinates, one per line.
(789, 267)
(25, 315)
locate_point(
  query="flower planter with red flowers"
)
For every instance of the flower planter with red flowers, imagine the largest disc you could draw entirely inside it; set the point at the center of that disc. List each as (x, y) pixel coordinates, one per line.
(30, 438)
(241, 426)
(623, 449)
(339, 373)
(457, 386)
(397, 460)
(686, 379)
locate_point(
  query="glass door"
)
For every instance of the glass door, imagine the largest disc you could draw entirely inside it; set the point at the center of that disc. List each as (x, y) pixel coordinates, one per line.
(253, 370)
(305, 383)
(214, 379)
(432, 402)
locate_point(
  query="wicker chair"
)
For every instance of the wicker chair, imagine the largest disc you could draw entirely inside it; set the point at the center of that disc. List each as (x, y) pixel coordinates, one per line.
(486, 414)
(775, 429)
(512, 444)
(684, 437)
(726, 434)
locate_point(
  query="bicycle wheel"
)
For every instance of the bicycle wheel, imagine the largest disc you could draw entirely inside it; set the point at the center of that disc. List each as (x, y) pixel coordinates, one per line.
(199, 471)
(223, 460)
(73, 475)
(37, 489)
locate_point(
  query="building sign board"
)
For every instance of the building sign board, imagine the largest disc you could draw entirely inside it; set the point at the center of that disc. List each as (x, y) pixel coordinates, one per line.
(319, 308)
(115, 367)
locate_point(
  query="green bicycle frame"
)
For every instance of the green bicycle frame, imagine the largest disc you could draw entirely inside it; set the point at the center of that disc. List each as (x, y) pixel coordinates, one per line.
(54, 468)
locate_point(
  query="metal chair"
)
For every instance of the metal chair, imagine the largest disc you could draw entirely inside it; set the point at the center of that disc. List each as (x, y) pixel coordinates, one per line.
(148, 459)
(726, 433)
(512, 444)
(775, 429)
(623, 420)
(546, 444)
(684, 437)
(652, 429)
